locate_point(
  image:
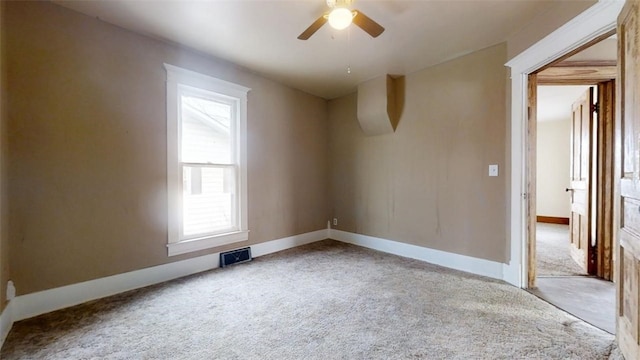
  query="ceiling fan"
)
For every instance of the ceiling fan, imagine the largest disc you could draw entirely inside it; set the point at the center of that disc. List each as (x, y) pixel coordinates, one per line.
(340, 17)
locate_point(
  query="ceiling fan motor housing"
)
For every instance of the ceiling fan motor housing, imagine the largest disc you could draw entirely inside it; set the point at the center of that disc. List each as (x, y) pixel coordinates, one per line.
(341, 17)
(339, 3)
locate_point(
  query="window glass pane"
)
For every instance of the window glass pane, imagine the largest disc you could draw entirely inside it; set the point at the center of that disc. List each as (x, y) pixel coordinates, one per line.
(206, 131)
(208, 201)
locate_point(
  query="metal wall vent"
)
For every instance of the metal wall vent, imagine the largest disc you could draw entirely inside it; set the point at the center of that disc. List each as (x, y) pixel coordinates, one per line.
(235, 256)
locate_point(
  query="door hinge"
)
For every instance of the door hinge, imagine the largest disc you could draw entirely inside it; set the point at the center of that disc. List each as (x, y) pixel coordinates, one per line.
(525, 196)
(595, 108)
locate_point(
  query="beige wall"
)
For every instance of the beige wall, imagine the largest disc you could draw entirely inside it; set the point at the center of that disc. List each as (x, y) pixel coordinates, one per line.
(553, 158)
(87, 148)
(4, 238)
(87, 151)
(544, 24)
(427, 184)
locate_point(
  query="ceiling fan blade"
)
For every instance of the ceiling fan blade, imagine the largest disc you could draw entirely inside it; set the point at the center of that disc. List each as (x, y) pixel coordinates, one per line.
(313, 28)
(365, 23)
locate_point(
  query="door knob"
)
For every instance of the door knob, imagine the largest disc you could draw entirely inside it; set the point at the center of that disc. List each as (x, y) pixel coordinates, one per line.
(568, 189)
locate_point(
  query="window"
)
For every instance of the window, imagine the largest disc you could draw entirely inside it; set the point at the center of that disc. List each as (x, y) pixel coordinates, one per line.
(206, 161)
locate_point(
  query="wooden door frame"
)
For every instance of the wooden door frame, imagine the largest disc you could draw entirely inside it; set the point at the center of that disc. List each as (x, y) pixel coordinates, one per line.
(606, 181)
(604, 177)
(626, 268)
(598, 20)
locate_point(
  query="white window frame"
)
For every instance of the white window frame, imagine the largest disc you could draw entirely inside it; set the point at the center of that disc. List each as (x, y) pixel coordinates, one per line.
(176, 78)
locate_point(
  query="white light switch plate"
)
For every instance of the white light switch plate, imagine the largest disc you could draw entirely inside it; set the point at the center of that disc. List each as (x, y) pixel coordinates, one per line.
(493, 170)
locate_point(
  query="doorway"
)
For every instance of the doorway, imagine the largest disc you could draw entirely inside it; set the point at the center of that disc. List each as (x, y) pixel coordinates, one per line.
(554, 254)
(570, 244)
(595, 23)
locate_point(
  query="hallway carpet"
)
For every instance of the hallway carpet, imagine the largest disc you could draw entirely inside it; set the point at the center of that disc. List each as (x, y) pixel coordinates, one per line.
(325, 300)
(553, 252)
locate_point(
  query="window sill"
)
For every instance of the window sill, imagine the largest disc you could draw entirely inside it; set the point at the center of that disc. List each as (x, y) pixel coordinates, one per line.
(187, 246)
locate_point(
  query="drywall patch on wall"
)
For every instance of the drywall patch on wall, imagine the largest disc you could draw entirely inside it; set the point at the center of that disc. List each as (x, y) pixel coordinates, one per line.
(380, 104)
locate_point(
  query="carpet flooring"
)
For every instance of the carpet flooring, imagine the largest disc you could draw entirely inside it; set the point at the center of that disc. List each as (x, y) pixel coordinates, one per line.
(325, 300)
(553, 252)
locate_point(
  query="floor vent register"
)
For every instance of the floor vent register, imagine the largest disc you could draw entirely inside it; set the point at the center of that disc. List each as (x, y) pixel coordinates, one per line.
(235, 256)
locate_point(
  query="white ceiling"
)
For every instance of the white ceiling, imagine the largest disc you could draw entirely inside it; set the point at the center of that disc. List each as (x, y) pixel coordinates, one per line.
(554, 102)
(604, 50)
(261, 34)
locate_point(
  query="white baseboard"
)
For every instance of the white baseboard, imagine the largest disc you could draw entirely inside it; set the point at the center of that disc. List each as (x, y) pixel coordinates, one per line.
(469, 264)
(30, 305)
(288, 242)
(511, 273)
(6, 322)
(34, 304)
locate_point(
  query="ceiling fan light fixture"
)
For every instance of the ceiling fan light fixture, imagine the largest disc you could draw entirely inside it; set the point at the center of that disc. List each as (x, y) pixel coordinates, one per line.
(340, 18)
